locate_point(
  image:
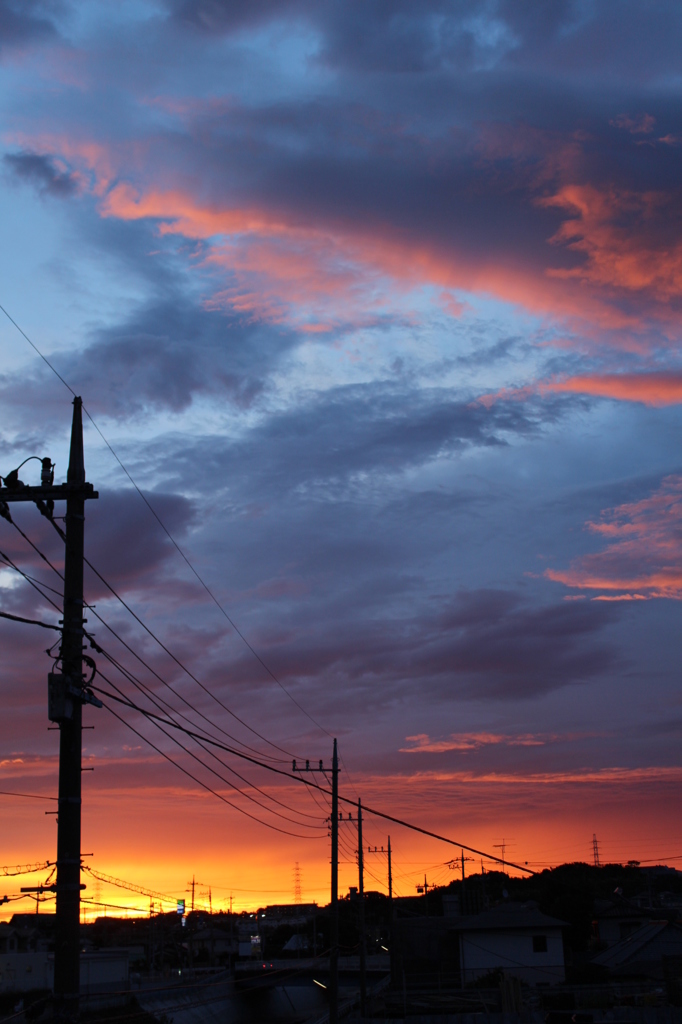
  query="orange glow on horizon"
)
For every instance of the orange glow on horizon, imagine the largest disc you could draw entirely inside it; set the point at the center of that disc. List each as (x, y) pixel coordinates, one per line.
(158, 839)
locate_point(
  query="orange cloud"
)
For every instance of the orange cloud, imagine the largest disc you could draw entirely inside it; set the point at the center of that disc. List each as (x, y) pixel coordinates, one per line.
(656, 389)
(423, 744)
(619, 234)
(643, 558)
(283, 265)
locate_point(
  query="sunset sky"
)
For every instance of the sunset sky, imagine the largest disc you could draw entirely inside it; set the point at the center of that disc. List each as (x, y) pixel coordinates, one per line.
(379, 303)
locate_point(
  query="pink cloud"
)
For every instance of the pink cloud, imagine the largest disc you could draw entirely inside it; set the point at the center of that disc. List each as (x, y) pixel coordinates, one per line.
(643, 556)
(423, 744)
(284, 264)
(620, 234)
(655, 389)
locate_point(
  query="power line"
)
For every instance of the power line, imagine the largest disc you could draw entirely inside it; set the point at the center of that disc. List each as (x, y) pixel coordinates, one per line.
(86, 901)
(168, 533)
(34, 580)
(28, 796)
(268, 810)
(270, 767)
(121, 884)
(143, 689)
(180, 664)
(133, 652)
(307, 782)
(158, 702)
(12, 870)
(152, 697)
(28, 579)
(29, 622)
(208, 788)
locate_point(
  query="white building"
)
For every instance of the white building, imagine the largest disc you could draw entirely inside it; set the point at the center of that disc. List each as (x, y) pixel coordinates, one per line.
(516, 938)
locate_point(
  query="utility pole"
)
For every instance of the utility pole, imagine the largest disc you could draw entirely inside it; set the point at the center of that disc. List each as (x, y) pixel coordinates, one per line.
(67, 692)
(503, 847)
(361, 894)
(390, 877)
(390, 874)
(334, 903)
(334, 938)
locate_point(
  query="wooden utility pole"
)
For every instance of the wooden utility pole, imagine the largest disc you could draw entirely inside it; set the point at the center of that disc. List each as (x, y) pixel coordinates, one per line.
(334, 938)
(361, 895)
(66, 695)
(334, 902)
(390, 877)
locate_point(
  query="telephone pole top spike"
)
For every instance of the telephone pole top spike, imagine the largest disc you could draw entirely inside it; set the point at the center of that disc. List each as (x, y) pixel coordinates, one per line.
(76, 470)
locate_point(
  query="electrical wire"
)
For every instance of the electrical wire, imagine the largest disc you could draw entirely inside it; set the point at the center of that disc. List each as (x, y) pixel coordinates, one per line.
(180, 664)
(35, 586)
(28, 796)
(307, 782)
(158, 704)
(14, 870)
(229, 768)
(222, 778)
(29, 622)
(42, 584)
(369, 810)
(122, 884)
(168, 533)
(208, 788)
(137, 656)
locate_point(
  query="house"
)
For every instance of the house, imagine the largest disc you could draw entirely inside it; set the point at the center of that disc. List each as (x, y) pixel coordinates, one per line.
(213, 944)
(25, 966)
(516, 938)
(647, 952)
(616, 919)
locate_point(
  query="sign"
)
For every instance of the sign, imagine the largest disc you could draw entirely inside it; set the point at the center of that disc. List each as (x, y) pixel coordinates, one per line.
(181, 907)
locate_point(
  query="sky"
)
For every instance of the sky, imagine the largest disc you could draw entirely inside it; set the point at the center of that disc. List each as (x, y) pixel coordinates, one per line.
(379, 305)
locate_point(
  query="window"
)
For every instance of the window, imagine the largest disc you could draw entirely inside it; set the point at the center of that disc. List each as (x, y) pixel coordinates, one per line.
(539, 943)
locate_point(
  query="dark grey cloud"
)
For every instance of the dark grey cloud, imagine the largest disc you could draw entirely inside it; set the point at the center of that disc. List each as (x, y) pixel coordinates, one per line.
(27, 21)
(168, 353)
(124, 540)
(396, 36)
(487, 645)
(40, 170)
(372, 429)
(162, 357)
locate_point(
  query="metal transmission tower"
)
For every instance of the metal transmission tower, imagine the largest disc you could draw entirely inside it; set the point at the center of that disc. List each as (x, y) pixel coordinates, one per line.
(298, 895)
(595, 850)
(67, 692)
